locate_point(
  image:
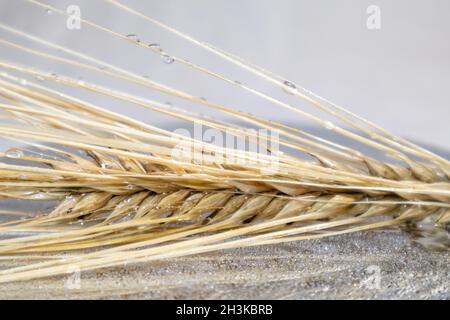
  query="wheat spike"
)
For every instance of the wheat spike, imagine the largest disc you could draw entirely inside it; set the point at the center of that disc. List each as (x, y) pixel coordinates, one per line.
(124, 198)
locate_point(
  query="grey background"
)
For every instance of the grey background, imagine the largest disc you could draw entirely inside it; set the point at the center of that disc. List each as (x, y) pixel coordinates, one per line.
(397, 77)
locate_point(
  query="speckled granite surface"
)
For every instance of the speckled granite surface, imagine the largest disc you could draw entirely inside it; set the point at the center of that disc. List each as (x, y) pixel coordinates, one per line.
(370, 265)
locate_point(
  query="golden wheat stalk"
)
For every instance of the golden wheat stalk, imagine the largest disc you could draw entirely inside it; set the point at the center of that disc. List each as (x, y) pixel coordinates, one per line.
(124, 198)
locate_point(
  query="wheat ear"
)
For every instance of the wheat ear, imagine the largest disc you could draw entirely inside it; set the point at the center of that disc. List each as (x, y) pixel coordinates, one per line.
(124, 198)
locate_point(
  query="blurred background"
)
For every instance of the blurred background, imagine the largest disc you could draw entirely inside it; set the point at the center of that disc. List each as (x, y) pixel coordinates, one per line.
(396, 75)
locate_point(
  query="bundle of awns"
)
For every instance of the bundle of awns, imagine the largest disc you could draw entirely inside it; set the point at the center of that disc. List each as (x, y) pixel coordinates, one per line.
(130, 192)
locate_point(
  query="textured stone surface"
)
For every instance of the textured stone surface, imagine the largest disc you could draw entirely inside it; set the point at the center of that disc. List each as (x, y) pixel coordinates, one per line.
(341, 267)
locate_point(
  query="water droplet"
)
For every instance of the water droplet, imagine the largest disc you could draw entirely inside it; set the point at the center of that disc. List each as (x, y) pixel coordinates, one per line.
(14, 154)
(329, 125)
(155, 47)
(289, 87)
(55, 77)
(49, 11)
(81, 82)
(133, 37)
(104, 165)
(167, 59)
